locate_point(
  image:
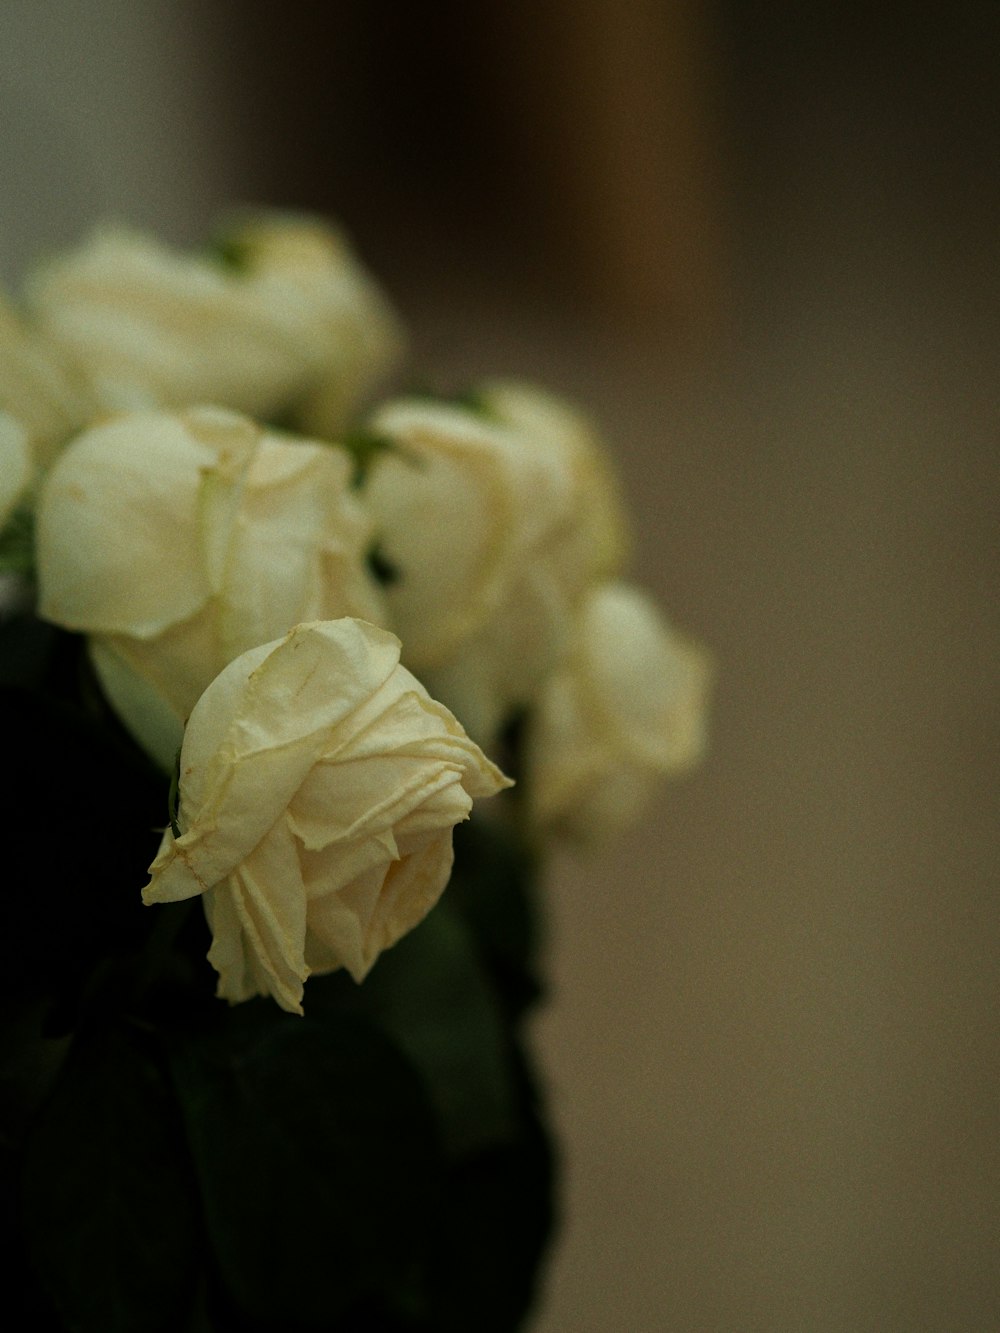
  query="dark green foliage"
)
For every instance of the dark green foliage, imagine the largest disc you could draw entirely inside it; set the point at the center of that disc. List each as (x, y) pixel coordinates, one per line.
(493, 887)
(431, 996)
(317, 1160)
(17, 542)
(80, 812)
(170, 1162)
(111, 1215)
(382, 569)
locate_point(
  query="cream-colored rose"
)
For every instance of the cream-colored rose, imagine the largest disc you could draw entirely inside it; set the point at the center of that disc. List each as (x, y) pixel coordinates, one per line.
(319, 785)
(558, 427)
(15, 465)
(626, 707)
(177, 542)
(494, 525)
(359, 339)
(38, 389)
(293, 318)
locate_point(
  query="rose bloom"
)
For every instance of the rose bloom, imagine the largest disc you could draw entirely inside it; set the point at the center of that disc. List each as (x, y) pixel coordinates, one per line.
(39, 389)
(15, 465)
(358, 340)
(566, 434)
(492, 523)
(319, 785)
(179, 541)
(626, 707)
(281, 315)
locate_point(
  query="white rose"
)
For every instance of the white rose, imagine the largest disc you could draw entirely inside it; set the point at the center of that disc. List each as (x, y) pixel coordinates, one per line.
(152, 327)
(15, 465)
(319, 785)
(626, 707)
(493, 529)
(552, 424)
(358, 339)
(179, 541)
(38, 389)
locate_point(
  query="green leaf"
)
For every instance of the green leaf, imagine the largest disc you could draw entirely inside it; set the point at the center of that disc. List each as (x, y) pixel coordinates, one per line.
(494, 1227)
(493, 888)
(431, 993)
(317, 1160)
(30, 1061)
(26, 647)
(111, 1214)
(80, 828)
(80, 817)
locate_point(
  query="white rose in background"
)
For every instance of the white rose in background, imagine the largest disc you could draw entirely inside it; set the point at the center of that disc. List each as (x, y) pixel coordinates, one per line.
(283, 314)
(559, 428)
(319, 785)
(15, 465)
(625, 708)
(359, 339)
(177, 542)
(492, 530)
(38, 389)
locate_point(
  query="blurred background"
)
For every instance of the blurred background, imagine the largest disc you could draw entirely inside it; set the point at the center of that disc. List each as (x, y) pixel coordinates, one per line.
(759, 241)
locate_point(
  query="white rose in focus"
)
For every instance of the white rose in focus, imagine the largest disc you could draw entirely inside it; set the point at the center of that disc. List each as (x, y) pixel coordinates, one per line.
(259, 332)
(319, 785)
(493, 529)
(626, 707)
(177, 542)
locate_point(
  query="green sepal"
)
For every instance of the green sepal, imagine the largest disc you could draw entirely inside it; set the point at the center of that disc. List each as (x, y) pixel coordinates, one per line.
(469, 399)
(365, 446)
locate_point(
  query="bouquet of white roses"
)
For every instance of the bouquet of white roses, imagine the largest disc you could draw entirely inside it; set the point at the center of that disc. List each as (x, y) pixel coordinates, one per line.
(273, 643)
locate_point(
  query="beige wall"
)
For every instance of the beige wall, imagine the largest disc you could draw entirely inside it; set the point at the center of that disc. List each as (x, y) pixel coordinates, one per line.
(110, 109)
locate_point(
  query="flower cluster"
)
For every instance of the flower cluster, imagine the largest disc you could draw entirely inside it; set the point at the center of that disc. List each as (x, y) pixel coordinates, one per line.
(338, 613)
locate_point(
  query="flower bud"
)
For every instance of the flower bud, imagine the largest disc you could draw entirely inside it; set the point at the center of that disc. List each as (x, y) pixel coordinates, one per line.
(625, 708)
